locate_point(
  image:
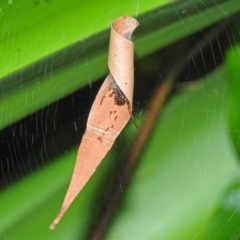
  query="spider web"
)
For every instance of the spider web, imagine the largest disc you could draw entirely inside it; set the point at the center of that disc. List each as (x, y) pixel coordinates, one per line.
(186, 182)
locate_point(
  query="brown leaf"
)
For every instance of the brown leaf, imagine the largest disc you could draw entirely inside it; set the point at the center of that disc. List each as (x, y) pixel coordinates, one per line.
(110, 112)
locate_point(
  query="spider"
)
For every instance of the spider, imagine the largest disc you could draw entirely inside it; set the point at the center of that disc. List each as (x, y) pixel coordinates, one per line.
(120, 99)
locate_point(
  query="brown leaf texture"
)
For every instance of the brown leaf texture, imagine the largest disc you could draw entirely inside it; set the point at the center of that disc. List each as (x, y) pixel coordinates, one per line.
(110, 112)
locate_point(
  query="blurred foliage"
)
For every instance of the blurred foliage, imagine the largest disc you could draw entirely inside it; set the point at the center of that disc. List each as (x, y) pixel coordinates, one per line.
(188, 163)
(233, 65)
(186, 184)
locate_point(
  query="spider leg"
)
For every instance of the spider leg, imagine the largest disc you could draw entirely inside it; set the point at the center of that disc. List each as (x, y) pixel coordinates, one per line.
(132, 117)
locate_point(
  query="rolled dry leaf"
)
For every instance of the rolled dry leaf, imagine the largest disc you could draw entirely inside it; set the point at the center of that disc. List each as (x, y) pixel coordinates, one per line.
(111, 110)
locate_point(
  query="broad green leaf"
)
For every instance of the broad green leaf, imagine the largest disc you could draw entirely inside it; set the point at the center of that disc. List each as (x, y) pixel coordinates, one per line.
(225, 222)
(233, 66)
(188, 163)
(34, 29)
(49, 50)
(29, 206)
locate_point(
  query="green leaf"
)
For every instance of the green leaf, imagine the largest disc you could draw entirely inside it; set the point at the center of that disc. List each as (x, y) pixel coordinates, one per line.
(225, 222)
(50, 50)
(233, 66)
(34, 29)
(29, 206)
(183, 172)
